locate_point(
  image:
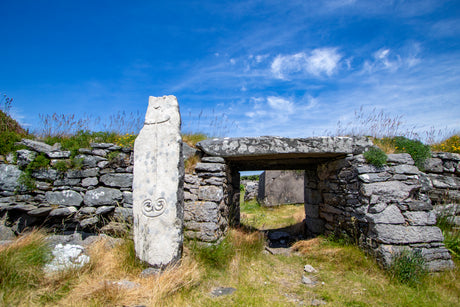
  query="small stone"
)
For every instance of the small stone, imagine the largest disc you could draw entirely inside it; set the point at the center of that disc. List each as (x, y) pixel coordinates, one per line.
(104, 209)
(308, 281)
(309, 269)
(222, 291)
(90, 181)
(91, 221)
(150, 272)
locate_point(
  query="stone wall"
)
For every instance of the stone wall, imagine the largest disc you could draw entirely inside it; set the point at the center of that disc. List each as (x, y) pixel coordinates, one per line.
(281, 187)
(442, 182)
(382, 209)
(96, 187)
(206, 204)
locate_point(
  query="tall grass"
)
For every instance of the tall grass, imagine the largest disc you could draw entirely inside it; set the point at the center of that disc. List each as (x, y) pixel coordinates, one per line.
(21, 267)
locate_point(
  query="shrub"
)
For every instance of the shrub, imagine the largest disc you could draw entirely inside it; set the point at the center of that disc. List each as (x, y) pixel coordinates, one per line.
(375, 156)
(63, 165)
(418, 151)
(39, 162)
(408, 267)
(250, 177)
(451, 144)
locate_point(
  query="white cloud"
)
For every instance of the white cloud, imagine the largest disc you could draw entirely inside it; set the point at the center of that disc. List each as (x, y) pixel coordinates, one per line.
(323, 60)
(319, 62)
(280, 104)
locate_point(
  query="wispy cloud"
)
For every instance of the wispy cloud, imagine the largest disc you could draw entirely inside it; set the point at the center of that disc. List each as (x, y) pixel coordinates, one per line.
(319, 62)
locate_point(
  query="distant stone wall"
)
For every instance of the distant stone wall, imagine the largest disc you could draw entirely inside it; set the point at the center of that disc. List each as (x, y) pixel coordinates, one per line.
(281, 187)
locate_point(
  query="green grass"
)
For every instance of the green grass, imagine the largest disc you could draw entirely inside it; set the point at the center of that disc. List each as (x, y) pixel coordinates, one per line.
(21, 268)
(376, 157)
(259, 217)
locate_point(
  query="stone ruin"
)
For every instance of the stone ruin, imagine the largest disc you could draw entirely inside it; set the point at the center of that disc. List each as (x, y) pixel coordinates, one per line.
(384, 210)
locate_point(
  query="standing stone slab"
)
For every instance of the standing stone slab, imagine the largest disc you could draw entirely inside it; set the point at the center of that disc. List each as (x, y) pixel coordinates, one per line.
(158, 200)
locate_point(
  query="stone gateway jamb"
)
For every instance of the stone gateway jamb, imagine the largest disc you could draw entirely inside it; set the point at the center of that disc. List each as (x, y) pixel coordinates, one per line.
(158, 197)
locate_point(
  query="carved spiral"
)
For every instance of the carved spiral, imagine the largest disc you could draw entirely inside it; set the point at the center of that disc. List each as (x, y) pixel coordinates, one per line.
(153, 209)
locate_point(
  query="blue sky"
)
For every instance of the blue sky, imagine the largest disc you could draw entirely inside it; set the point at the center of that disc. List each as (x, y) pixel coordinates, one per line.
(239, 68)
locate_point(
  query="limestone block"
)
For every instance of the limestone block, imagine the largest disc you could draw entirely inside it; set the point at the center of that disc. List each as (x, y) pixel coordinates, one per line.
(420, 218)
(403, 158)
(158, 199)
(405, 169)
(213, 159)
(40, 146)
(374, 177)
(63, 211)
(64, 198)
(210, 193)
(391, 215)
(60, 154)
(199, 211)
(24, 157)
(119, 180)
(90, 181)
(104, 209)
(9, 175)
(43, 211)
(88, 222)
(127, 198)
(433, 165)
(399, 234)
(390, 190)
(210, 167)
(102, 196)
(45, 174)
(90, 161)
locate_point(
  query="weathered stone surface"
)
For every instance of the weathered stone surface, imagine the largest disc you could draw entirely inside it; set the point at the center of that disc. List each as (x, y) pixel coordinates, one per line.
(24, 157)
(88, 222)
(87, 210)
(45, 174)
(281, 187)
(158, 199)
(66, 182)
(99, 152)
(90, 181)
(64, 198)
(188, 151)
(9, 175)
(127, 198)
(433, 165)
(213, 159)
(420, 218)
(391, 215)
(123, 214)
(391, 190)
(403, 158)
(90, 161)
(405, 169)
(199, 211)
(40, 211)
(63, 211)
(206, 232)
(374, 177)
(446, 156)
(119, 180)
(398, 234)
(265, 145)
(211, 193)
(104, 209)
(60, 154)
(444, 182)
(40, 146)
(6, 233)
(210, 167)
(102, 196)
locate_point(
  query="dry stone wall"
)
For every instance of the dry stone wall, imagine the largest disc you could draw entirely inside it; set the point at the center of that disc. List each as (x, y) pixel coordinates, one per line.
(83, 198)
(384, 209)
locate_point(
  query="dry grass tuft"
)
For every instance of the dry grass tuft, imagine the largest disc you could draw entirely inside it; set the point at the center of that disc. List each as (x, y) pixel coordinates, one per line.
(307, 246)
(98, 286)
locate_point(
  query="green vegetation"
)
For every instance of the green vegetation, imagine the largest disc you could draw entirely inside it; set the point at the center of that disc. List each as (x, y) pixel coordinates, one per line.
(192, 138)
(451, 233)
(451, 144)
(21, 268)
(418, 151)
(408, 267)
(376, 157)
(250, 177)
